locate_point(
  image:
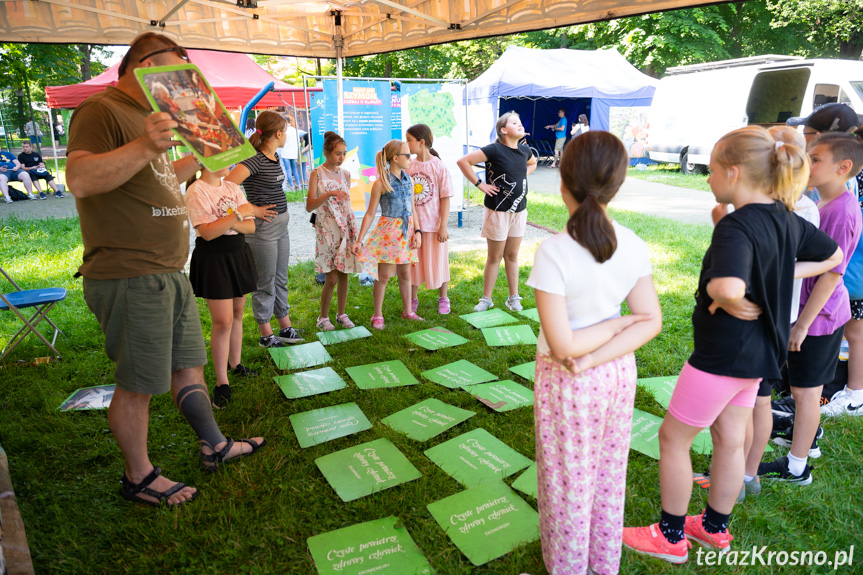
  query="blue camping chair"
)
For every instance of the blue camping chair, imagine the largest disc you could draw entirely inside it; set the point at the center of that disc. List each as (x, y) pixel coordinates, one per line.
(41, 299)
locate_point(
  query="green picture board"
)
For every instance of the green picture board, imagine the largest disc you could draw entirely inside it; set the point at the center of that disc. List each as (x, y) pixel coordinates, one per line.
(366, 468)
(477, 457)
(426, 419)
(391, 373)
(487, 521)
(312, 382)
(328, 423)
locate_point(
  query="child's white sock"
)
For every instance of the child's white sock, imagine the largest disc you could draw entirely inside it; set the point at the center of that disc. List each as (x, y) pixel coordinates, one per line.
(747, 478)
(796, 465)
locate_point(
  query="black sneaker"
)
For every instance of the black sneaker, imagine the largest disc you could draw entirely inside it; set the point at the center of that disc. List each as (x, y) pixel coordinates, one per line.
(59, 194)
(270, 341)
(778, 470)
(242, 371)
(780, 424)
(221, 396)
(784, 438)
(784, 407)
(290, 335)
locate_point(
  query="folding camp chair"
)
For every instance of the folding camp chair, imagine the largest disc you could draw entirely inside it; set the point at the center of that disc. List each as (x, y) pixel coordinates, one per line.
(40, 299)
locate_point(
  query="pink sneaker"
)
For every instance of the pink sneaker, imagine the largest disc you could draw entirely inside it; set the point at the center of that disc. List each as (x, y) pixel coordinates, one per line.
(412, 316)
(415, 304)
(694, 529)
(377, 322)
(651, 541)
(443, 305)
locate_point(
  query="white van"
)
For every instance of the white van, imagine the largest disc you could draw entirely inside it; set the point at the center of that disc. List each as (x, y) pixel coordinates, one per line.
(696, 105)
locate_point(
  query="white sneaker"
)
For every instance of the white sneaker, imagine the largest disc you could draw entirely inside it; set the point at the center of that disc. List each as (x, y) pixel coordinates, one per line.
(484, 304)
(7, 200)
(842, 404)
(513, 303)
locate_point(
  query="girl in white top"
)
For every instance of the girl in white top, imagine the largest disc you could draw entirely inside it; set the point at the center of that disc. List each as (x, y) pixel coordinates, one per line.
(335, 229)
(222, 269)
(585, 367)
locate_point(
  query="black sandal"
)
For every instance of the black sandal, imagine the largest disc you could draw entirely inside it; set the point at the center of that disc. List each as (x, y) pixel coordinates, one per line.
(130, 491)
(218, 458)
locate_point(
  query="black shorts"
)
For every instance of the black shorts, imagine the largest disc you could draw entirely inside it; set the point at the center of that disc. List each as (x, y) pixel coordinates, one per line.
(46, 175)
(857, 309)
(815, 364)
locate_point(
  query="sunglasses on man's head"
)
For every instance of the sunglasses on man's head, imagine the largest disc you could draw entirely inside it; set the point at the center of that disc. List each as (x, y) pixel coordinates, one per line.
(181, 52)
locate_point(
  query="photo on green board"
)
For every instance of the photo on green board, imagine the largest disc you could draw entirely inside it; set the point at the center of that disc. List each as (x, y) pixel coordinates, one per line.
(96, 397)
(327, 423)
(380, 546)
(312, 382)
(367, 468)
(457, 374)
(486, 522)
(426, 419)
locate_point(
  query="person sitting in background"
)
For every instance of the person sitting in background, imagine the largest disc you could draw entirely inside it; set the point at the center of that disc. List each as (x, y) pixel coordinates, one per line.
(10, 171)
(33, 164)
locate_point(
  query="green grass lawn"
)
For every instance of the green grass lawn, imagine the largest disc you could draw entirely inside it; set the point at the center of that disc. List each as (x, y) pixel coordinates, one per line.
(670, 174)
(256, 515)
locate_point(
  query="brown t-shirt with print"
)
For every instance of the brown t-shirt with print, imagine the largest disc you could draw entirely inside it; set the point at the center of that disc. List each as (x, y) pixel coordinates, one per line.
(139, 228)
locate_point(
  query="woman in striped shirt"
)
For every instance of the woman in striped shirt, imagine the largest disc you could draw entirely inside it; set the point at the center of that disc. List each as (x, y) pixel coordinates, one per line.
(262, 178)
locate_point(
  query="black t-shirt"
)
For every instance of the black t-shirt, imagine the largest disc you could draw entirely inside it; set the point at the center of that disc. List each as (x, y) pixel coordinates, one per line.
(757, 243)
(506, 168)
(29, 160)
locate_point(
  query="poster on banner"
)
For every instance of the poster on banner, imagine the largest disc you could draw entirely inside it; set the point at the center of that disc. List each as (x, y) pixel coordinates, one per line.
(503, 395)
(427, 419)
(328, 423)
(458, 374)
(381, 546)
(477, 457)
(312, 382)
(525, 370)
(441, 107)
(366, 468)
(391, 373)
(486, 522)
(629, 123)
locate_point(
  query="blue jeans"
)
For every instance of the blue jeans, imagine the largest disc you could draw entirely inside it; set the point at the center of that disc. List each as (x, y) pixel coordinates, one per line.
(292, 173)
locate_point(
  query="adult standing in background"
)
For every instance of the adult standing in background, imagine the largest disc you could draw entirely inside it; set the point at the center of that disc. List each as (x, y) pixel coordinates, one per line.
(559, 136)
(580, 127)
(136, 242)
(59, 130)
(289, 153)
(34, 132)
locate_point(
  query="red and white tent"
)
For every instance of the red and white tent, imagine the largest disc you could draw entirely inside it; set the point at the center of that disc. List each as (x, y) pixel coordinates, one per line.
(236, 78)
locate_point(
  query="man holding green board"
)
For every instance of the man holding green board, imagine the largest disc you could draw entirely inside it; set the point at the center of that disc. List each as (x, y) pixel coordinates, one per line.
(136, 242)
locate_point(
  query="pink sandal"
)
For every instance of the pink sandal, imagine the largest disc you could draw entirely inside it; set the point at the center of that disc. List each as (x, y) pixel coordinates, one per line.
(377, 322)
(411, 316)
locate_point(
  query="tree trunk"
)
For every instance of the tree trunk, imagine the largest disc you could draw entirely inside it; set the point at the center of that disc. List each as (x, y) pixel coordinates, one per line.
(86, 52)
(388, 69)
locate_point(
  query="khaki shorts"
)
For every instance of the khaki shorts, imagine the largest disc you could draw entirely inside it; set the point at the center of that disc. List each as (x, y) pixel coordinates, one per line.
(151, 326)
(498, 226)
(558, 144)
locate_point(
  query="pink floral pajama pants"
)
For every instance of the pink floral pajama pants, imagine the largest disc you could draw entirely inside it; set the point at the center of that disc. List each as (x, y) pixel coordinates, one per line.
(583, 428)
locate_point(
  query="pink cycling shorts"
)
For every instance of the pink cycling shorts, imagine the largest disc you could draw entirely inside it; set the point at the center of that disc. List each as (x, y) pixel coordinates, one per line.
(700, 397)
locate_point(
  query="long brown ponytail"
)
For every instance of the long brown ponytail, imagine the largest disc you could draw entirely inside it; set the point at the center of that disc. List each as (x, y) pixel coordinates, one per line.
(592, 169)
(266, 126)
(423, 132)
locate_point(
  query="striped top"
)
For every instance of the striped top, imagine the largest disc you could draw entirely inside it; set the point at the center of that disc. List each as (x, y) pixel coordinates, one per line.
(264, 184)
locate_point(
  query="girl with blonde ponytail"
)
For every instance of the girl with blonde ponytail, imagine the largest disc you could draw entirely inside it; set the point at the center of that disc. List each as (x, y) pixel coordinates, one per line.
(392, 246)
(585, 361)
(741, 328)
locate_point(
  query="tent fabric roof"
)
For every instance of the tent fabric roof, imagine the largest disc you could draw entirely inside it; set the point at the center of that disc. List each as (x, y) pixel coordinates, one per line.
(298, 28)
(234, 77)
(527, 72)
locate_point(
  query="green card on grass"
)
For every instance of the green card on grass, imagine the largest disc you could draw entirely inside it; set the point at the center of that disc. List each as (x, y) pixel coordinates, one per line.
(366, 468)
(340, 335)
(381, 546)
(300, 356)
(328, 423)
(436, 338)
(644, 436)
(525, 370)
(531, 313)
(503, 395)
(391, 373)
(458, 373)
(486, 522)
(426, 419)
(660, 387)
(508, 335)
(527, 482)
(477, 457)
(312, 382)
(490, 318)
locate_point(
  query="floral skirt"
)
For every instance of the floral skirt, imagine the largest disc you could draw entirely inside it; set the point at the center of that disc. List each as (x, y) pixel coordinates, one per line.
(388, 245)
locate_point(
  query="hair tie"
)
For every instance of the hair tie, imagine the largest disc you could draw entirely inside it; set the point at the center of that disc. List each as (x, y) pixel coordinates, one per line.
(257, 131)
(779, 144)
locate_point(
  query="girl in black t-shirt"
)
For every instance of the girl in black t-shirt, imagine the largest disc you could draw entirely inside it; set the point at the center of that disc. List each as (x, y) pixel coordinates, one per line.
(741, 329)
(507, 165)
